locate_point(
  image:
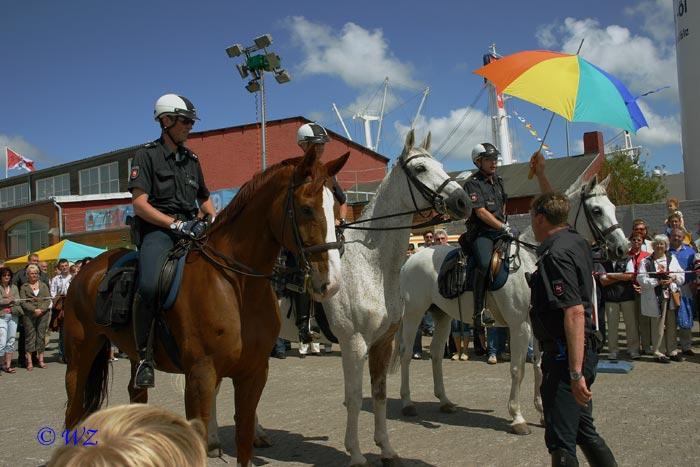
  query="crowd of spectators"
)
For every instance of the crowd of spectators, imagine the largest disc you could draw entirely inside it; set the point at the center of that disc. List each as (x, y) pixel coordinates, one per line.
(31, 306)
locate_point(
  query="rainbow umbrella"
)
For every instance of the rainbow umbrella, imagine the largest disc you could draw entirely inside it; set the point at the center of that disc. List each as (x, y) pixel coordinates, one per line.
(567, 85)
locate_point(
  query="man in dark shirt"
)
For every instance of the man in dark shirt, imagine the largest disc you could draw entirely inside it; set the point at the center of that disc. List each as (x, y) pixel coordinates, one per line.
(487, 222)
(561, 315)
(168, 191)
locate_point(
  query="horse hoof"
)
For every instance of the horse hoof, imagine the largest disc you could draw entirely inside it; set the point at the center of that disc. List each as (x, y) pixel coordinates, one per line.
(214, 451)
(409, 411)
(262, 442)
(392, 462)
(521, 429)
(448, 408)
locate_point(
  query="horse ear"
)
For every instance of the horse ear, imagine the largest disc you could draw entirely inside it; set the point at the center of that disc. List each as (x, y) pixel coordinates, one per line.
(334, 166)
(303, 169)
(410, 140)
(426, 142)
(605, 182)
(591, 184)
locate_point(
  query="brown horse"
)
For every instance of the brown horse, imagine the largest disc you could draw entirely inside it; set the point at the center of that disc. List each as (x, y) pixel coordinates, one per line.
(225, 319)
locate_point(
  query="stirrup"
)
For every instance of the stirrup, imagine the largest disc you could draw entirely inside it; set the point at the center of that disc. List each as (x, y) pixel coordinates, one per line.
(144, 376)
(483, 320)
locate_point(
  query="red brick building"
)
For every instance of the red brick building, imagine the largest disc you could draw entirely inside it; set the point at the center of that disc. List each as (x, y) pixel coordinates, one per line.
(87, 200)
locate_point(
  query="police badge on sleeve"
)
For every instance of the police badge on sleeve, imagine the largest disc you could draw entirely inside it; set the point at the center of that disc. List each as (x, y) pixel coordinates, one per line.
(558, 287)
(134, 172)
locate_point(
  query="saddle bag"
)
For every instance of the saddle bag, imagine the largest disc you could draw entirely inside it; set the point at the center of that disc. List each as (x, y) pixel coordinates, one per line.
(115, 295)
(452, 278)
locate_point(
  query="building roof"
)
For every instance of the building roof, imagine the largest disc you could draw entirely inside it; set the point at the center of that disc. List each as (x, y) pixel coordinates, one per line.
(562, 173)
(298, 119)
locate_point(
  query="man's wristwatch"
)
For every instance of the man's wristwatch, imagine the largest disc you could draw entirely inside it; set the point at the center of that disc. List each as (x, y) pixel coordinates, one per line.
(174, 225)
(575, 375)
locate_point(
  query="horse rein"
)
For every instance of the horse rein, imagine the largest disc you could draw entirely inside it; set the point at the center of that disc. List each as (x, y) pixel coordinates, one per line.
(436, 200)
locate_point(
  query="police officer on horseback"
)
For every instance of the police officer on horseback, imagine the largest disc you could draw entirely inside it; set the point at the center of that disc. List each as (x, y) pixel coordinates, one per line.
(561, 316)
(168, 191)
(487, 222)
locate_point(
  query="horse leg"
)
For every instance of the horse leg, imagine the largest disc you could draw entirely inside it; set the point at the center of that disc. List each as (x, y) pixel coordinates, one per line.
(411, 320)
(213, 443)
(519, 340)
(379, 357)
(136, 396)
(262, 439)
(247, 395)
(537, 369)
(81, 357)
(353, 353)
(200, 394)
(437, 347)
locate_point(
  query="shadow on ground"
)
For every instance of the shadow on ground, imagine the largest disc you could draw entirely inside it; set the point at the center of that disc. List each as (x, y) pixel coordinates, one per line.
(295, 447)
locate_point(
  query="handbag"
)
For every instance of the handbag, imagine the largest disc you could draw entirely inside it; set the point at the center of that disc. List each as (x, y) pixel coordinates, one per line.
(676, 297)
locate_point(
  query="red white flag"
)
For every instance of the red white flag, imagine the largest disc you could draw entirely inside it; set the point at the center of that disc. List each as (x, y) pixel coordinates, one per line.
(15, 161)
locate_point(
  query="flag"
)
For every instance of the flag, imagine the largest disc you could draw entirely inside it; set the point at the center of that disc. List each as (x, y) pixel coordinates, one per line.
(15, 161)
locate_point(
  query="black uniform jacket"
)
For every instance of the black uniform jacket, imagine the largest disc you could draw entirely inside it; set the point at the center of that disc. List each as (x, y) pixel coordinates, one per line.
(173, 186)
(563, 279)
(486, 194)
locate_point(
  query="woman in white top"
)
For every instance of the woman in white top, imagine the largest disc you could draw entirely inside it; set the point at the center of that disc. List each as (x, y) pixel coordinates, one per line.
(660, 276)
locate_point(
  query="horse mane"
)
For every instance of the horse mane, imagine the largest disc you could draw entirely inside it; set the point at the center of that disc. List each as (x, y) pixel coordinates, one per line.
(249, 189)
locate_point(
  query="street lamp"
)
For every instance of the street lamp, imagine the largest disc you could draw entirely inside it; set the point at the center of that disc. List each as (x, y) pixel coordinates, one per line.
(255, 66)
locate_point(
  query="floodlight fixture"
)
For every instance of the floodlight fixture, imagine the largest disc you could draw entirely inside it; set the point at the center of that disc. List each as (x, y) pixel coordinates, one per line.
(282, 76)
(263, 41)
(243, 70)
(272, 61)
(253, 86)
(235, 50)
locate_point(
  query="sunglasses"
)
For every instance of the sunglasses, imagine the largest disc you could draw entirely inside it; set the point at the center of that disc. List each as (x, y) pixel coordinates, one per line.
(185, 120)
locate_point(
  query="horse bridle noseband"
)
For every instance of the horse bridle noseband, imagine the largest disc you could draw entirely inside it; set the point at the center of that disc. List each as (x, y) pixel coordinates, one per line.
(599, 236)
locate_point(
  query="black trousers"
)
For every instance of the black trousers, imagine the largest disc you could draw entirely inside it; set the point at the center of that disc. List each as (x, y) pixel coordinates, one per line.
(567, 423)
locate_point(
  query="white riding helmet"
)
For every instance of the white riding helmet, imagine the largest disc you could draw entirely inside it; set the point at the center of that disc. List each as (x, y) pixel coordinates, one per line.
(312, 133)
(172, 104)
(486, 150)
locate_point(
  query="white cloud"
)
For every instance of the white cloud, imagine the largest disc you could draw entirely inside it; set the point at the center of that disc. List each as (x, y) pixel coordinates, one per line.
(662, 129)
(25, 149)
(658, 19)
(358, 56)
(460, 144)
(640, 62)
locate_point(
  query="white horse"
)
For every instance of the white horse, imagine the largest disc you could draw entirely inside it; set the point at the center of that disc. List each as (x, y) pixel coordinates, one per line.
(365, 313)
(592, 214)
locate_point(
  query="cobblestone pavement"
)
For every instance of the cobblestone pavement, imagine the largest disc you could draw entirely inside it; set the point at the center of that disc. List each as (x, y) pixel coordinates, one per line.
(648, 417)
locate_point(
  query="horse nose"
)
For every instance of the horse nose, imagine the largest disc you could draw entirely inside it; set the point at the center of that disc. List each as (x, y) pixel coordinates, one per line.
(620, 251)
(324, 287)
(460, 204)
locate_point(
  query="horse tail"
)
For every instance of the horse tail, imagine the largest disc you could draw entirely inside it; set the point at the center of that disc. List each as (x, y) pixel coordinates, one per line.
(396, 353)
(97, 381)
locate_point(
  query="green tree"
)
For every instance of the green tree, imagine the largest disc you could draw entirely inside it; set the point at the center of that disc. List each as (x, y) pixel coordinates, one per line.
(630, 182)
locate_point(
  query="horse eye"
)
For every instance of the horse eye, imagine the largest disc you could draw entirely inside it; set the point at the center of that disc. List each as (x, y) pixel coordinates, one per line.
(597, 211)
(420, 168)
(307, 211)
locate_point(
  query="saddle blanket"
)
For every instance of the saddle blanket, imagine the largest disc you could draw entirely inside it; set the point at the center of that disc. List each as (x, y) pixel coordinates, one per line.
(456, 275)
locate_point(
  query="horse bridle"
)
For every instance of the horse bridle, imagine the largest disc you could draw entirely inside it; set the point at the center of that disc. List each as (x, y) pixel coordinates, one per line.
(599, 236)
(436, 200)
(303, 266)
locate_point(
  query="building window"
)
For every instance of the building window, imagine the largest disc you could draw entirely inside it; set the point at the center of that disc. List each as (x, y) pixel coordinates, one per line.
(100, 179)
(27, 236)
(53, 186)
(14, 195)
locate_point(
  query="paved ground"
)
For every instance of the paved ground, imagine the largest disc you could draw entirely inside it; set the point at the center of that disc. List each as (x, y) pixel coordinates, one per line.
(649, 417)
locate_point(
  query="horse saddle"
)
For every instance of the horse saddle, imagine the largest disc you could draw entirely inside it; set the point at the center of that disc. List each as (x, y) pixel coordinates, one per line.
(117, 290)
(456, 274)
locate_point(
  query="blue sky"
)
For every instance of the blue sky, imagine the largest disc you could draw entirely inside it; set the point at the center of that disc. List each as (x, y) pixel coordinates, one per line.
(80, 78)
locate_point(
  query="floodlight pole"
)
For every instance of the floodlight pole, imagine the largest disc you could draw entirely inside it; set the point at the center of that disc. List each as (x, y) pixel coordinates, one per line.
(262, 120)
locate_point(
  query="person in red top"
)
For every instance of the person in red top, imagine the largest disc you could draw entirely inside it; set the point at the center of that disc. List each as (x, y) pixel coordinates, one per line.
(637, 255)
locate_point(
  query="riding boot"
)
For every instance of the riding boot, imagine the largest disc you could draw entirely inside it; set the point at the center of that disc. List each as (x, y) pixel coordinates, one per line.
(143, 332)
(302, 309)
(562, 458)
(599, 454)
(481, 318)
